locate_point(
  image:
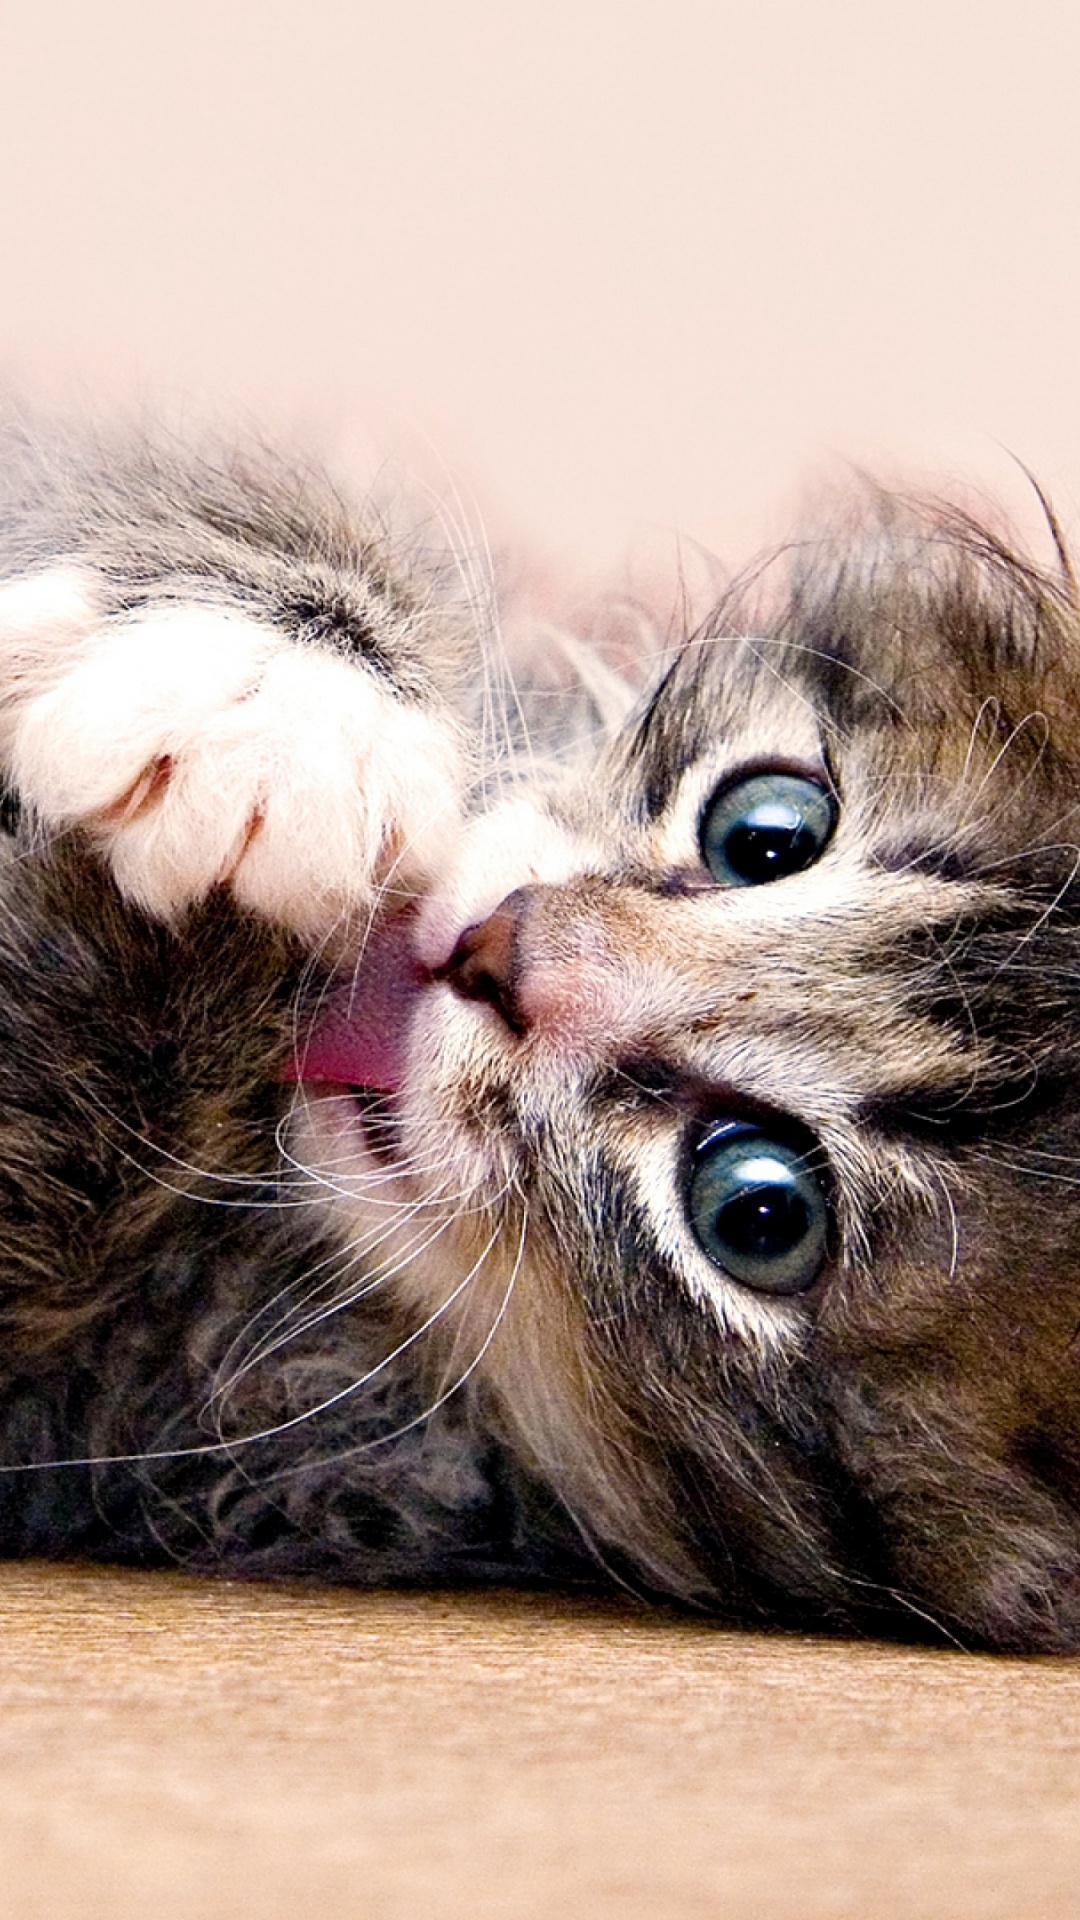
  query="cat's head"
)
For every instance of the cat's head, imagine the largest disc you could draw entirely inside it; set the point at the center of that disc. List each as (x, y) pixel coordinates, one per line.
(738, 1146)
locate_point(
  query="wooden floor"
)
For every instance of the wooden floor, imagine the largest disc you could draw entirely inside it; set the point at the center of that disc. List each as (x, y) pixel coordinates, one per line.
(174, 1747)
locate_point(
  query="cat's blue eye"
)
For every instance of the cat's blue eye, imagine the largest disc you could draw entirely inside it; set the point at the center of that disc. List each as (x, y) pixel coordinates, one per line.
(765, 827)
(757, 1209)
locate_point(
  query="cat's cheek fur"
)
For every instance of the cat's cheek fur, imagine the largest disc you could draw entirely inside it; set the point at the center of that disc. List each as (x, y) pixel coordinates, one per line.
(200, 746)
(491, 1302)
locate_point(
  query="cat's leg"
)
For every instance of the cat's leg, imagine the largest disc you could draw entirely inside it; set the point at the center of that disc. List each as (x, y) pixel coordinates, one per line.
(199, 745)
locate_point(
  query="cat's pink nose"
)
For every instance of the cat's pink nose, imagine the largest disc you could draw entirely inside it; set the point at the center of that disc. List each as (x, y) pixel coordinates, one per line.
(485, 963)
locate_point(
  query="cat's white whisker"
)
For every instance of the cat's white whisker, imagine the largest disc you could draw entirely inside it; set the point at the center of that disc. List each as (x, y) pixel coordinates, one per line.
(801, 649)
(459, 1380)
(343, 1394)
(364, 1246)
(954, 1223)
(338, 1262)
(1031, 932)
(990, 710)
(1031, 721)
(357, 1385)
(268, 1191)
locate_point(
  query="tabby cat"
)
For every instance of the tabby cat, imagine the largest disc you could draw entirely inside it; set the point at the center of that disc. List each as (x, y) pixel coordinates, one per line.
(653, 1160)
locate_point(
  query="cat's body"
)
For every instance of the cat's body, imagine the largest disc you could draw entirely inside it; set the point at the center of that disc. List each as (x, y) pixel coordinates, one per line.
(708, 1220)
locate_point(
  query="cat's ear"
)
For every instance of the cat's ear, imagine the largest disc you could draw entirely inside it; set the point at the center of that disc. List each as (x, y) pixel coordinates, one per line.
(554, 697)
(611, 694)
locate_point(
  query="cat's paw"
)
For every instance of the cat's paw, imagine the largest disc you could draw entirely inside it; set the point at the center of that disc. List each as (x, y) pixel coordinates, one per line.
(200, 746)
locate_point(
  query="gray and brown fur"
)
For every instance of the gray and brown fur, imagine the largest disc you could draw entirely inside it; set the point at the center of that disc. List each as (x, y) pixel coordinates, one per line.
(898, 1449)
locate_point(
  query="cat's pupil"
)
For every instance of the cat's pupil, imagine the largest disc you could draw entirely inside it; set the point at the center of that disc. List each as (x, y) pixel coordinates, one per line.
(765, 827)
(757, 1209)
(772, 841)
(764, 1221)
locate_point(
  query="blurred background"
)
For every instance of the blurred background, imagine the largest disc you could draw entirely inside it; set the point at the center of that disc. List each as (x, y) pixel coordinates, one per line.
(621, 267)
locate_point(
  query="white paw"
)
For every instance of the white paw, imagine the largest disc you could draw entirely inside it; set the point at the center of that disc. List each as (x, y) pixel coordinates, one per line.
(201, 746)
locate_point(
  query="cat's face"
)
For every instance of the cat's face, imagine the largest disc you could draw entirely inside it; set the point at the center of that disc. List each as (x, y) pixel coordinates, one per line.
(734, 1137)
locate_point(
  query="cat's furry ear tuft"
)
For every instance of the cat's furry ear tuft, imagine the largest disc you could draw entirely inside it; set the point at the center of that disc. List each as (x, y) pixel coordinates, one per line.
(611, 694)
(1057, 532)
(553, 697)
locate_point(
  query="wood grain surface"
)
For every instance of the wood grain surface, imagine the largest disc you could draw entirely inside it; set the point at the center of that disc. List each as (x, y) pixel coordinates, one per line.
(174, 1747)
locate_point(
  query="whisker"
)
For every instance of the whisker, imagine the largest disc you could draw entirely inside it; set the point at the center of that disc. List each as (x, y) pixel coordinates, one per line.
(419, 1420)
(230, 1445)
(292, 1327)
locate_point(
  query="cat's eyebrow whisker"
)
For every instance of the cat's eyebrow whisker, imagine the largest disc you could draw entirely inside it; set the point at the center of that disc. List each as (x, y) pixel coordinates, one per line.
(991, 706)
(1005, 1071)
(1064, 820)
(971, 826)
(945, 965)
(995, 1158)
(1047, 1153)
(785, 644)
(824, 722)
(954, 1224)
(1015, 734)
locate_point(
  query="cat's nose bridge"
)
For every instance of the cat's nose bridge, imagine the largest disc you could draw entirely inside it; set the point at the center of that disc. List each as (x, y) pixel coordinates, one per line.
(600, 962)
(552, 959)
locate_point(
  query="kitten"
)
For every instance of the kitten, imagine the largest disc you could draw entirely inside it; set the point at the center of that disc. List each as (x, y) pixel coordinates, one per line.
(423, 1164)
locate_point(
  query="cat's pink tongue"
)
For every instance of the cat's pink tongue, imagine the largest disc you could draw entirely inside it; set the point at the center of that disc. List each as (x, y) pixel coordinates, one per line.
(361, 1036)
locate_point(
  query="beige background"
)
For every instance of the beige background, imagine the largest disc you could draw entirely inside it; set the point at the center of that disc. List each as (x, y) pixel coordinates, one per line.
(619, 263)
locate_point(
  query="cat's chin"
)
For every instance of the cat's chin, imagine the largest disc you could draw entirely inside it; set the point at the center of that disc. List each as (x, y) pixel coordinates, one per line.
(345, 1137)
(370, 1116)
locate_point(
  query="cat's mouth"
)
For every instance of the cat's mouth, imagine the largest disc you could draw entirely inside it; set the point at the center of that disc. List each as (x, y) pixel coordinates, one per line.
(360, 1037)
